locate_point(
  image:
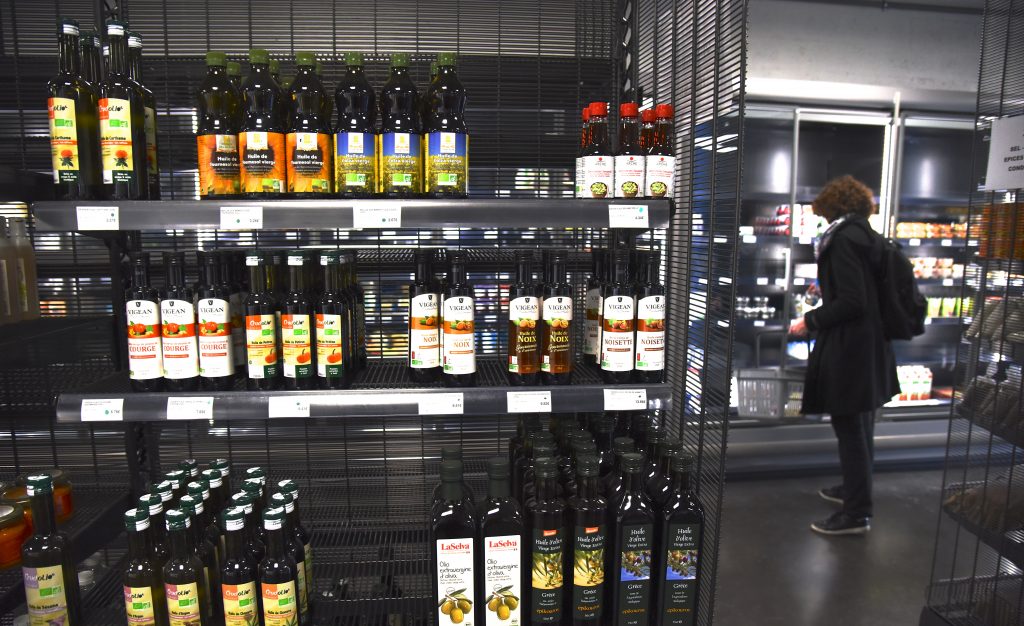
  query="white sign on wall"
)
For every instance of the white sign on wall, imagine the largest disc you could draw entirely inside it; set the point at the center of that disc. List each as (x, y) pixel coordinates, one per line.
(1006, 154)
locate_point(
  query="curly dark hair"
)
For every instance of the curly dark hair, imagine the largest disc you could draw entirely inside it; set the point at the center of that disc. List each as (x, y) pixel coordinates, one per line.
(844, 195)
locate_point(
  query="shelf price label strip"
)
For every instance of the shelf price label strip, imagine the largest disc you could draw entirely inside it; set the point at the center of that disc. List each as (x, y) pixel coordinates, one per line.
(529, 401)
(625, 399)
(98, 217)
(102, 410)
(190, 408)
(441, 404)
(241, 217)
(376, 214)
(628, 216)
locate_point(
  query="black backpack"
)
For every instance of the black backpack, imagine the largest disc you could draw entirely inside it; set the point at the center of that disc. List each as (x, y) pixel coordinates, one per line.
(903, 307)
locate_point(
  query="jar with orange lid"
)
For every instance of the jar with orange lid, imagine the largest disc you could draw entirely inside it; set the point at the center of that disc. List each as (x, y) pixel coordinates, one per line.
(62, 495)
(13, 531)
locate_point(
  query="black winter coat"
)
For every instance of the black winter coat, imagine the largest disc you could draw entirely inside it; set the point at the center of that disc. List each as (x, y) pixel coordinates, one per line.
(852, 368)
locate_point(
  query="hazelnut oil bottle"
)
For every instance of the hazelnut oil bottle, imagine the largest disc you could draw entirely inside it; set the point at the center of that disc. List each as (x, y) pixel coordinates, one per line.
(651, 304)
(617, 318)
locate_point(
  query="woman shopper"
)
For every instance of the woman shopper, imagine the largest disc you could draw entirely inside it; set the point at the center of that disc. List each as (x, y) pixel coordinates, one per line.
(851, 372)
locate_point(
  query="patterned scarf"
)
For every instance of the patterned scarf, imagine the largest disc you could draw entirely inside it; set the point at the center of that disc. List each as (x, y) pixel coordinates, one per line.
(826, 237)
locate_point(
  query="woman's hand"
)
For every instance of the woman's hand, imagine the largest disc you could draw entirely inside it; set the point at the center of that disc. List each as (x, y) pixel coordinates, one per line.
(798, 328)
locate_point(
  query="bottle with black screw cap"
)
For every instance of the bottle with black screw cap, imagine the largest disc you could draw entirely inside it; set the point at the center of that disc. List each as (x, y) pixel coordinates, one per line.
(524, 461)
(279, 574)
(453, 531)
(602, 427)
(549, 544)
(238, 574)
(452, 453)
(680, 531)
(187, 602)
(528, 423)
(502, 548)
(541, 450)
(588, 512)
(632, 557)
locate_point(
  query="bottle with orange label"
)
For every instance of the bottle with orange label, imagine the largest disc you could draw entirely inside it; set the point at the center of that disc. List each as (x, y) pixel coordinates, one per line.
(178, 326)
(333, 328)
(424, 322)
(144, 601)
(261, 140)
(213, 308)
(278, 574)
(262, 368)
(149, 108)
(297, 327)
(458, 346)
(309, 134)
(142, 317)
(122, 124)
(219, 113)
(74, 125)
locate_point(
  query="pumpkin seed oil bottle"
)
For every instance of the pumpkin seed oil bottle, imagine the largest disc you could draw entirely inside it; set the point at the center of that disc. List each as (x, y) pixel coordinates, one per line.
(122, 124)
(219, 112)
(502, 550)
(261, 142)
(309, 135)
(424, 321)
(262, 368)
(629, 159)
(142, 315)
(278, 574)
(452, 537)
(187, 603)
(661, 160)
(149, 109)
(446, 138)
(355, 157)
(556, 327)
(47, 565)
(401, 159)
(216, 346)
(523, 315)
(178, 320)
(598, 163)
(238, 573)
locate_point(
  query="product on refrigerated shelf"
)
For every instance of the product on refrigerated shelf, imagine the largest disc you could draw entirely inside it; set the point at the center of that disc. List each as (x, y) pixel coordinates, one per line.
(931, 230)
(915, 383)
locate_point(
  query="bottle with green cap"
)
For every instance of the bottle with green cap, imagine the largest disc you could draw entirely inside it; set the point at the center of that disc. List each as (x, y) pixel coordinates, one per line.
(261, 140)
(401, 159)
(47, 563)
(149, 109)
(211, 505)
(159, 551)
(204, 549)
(219, 116)
(262, 366)
(177, 479)
(453, 548)
(144, 601)
(92, 62)
(300, 532)
(235, 74)
(74, 122)
(257, 549)
(680, 530)
(355, 156)
(278, 574)
(275, 70)
(238, 572)
(309, 132)
(122, 124)
(501, 558)
(549, 544)
(187, 602)
(631, 591)
(445, 136)
(293, 546)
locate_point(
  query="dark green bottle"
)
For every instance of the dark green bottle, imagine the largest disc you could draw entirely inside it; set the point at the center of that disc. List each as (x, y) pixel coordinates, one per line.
(92, 62)
(261, 140)
(680, 532)
(333, 328)
(74, 122)
(294, 547)
(47, 559)
(632, 589)
(445, 136)
(187, 602)
(211, 504)
(159, 551)
(309, 138)
(658, 479)
(263, 369)
(149, 107)
(300, 532)
(502, 556)
(253, 543)
(278, 573)
(588, 511)
(238, 576)
(355, 139)
(549, 545)
(297, 327)
(144, 600)
(122, 124)
(401, 157)
(453, 532)
(205, 550)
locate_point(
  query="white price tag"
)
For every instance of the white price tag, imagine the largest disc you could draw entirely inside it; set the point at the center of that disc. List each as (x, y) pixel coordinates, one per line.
(241, 217)
(758, 323)
(799, 282)
(762, 280)
(947, 282)
(529, 401)
(99, 218)
(376, 215)
(441, 404)
(190, 408)
(625, 399)
(288, 406)
(749, 238)
(105, 410)
(914, 242)
(628, 216)
(947, 243)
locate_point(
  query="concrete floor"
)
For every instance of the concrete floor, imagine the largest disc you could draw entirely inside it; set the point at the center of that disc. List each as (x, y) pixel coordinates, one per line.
(774, 571)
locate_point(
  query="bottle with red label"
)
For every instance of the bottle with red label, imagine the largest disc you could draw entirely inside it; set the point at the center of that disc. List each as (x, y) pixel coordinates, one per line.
(261, 140)
(629, 158)
(178, 325)
(651, 305)
(598, 163)
(122, 124)
(142, 319)
(213, 309)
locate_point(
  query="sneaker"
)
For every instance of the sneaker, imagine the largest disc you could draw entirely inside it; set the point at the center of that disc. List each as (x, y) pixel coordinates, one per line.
(832, 494)
(842, 524)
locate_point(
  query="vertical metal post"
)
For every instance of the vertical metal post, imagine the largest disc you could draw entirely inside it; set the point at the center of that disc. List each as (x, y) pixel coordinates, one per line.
(787, 297)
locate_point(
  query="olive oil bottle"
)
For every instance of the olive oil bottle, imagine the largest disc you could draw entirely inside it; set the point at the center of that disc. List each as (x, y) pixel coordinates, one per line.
(452, 453)
(74, 123)
(523, 316)
(294, 547)
(629, 158)
(261, 140)
(680, 532)
(122, 124)
(178, 327)
(602, 427)
(142, 317)
(617, 320)
(458, 344)
(309, 136)
(333, 328)
(238, 575)
(355, 157)
(548, 546)
(400, 149)
(453, 530)
(424, 322)
(47, 565)
(445, 136)
(592, 324)
(588, 512)
(659, 481)
(661, 160)
(213, 308)
(613, 484)
(144, 600)
(598, 163)
(527, 425)
(633, 526)
(297, 327)
(187, 602)
(149, 110)
(219, 113)
(501, 557)
(556, 343)
(300, 532)
(262, 369)
(278, 575)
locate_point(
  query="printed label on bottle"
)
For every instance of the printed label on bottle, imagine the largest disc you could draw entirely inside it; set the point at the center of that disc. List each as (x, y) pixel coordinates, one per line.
(295, 344)
(262, 162)
(629, 176)
(588, 573)
(216, 348)
(556, 357)
(679, 587)
(424, 337)
(400, 162)
(116, 141)
(523, 347)
(330, 360)
(503, 575)
(152, 167)
(617, 334)
(455, 581)
(355, 162)
(446, 162)
(660, 175)
(280, 606)
(579, 177)
(458, 349)
(138, 606)
(182, 604)
(598, 176)
(261, 345)
(218, 165)
(180, 349)
(240, 605)
(633, 595)
(650, 333)
(63, 140)
(145, 357)
(591, 344)
(45, 595)
(22, 278)
(547, 552)
(309, 155)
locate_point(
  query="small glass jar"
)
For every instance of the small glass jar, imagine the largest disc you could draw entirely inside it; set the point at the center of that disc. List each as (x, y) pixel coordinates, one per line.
(63, 503)
(13, 532)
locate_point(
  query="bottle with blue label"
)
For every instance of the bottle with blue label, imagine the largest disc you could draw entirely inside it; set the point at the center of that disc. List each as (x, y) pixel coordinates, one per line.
(445, 138)
(355, 160)
(400, 149)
